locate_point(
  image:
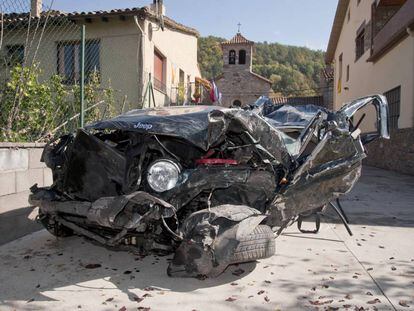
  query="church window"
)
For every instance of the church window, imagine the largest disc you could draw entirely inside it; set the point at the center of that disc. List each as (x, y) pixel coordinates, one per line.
(232, 57)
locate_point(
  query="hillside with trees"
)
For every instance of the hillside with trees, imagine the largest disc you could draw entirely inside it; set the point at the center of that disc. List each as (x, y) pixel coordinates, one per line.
(293, 70)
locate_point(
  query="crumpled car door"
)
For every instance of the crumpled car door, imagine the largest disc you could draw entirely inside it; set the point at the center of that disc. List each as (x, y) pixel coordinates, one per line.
(334, 165)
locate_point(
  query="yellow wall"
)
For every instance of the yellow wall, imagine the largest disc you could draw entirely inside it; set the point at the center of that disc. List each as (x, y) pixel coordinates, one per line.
(396, 68)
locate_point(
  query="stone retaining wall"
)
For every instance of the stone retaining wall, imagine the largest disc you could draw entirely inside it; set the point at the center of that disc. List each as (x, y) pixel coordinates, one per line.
(396, 154)
(20, 168)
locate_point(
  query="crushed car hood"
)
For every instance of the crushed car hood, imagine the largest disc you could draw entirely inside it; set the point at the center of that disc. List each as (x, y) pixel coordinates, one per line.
(200, 125)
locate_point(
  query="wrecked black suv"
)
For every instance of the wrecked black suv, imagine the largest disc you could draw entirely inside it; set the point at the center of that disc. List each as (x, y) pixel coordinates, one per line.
(209, 184)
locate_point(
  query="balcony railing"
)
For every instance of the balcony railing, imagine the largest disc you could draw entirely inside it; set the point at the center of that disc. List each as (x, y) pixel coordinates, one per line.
(393, 31)
(160, 86)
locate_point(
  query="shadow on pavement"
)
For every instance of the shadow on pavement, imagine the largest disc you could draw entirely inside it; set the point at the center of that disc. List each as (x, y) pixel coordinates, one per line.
(48, 264)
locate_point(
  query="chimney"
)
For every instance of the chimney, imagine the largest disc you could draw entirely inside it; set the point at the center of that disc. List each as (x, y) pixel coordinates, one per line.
(36, 7)
(158, 7)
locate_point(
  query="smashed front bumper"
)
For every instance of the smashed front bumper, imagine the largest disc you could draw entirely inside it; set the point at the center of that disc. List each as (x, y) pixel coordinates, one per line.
(121, 214)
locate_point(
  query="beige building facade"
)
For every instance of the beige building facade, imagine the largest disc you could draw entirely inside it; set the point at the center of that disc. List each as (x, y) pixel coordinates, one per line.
(371, 49)
(127, 47)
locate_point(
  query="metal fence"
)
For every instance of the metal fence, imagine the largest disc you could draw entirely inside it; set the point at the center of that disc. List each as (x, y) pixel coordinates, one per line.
(43, 58)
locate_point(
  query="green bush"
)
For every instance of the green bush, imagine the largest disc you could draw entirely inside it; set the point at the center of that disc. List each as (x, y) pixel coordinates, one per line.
(31, 110)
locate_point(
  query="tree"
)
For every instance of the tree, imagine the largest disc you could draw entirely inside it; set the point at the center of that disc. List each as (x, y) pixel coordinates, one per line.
(294, 71)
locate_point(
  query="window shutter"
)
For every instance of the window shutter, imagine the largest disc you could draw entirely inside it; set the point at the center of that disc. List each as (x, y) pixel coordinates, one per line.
(158, 67)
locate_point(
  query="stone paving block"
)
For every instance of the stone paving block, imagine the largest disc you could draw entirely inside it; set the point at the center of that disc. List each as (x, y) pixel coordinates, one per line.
(34, 158)
(7, 183)
(13, 159)
(26, 179)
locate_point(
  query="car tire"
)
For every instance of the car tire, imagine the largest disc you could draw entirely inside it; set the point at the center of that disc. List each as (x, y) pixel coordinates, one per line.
(259, 244)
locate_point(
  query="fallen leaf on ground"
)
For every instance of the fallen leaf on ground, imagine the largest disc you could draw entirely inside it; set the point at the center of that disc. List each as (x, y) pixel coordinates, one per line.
(109, 299)
(266, 299)
(403, 303)
(233, 283)
(93, 266)
(230, 299)
(320, 303)
(348, 296)
(261, 292)
(122, 309)
(374, 301)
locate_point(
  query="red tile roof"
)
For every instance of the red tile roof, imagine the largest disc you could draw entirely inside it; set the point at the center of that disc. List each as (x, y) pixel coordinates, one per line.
(237, 39)
(144, 11)
(328, 74)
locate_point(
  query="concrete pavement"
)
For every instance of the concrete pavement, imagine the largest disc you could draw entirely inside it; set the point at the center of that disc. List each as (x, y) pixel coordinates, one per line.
(373, 270)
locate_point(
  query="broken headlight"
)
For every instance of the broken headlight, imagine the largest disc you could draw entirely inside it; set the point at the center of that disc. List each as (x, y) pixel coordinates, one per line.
(162, 175)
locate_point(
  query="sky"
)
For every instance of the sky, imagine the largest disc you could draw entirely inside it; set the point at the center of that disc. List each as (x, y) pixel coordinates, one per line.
(293, 22)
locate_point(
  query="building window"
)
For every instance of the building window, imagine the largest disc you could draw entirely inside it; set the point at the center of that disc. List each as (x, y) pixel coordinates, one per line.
(232, 57)
(242, 57)
(69, 58)
(394, 103)
(360, 42)
(347, 73)
(159, 72)
(15, 54)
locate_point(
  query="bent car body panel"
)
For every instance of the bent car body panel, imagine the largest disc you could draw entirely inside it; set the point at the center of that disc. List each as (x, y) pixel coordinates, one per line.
(236, 169)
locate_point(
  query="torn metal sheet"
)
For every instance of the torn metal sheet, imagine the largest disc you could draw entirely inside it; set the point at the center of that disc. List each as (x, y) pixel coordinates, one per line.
(203, 182)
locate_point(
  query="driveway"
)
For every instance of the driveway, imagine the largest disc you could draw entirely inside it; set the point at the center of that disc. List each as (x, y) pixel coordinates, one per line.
(372, 270)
